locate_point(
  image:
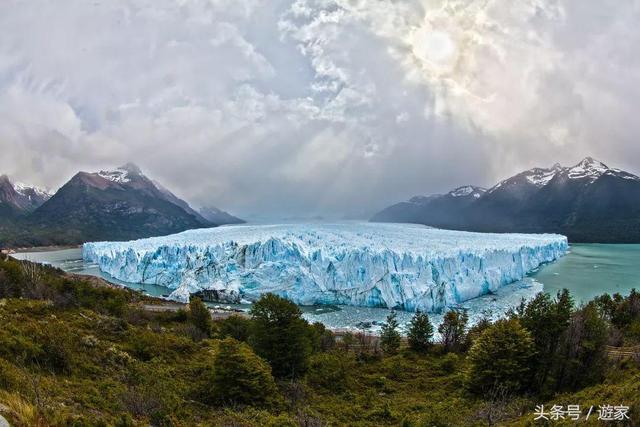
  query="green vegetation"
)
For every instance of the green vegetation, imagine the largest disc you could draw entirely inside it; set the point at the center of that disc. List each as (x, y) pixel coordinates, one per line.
(199, 316)
(453, 329)
(389, 336)
(75, 352)
(239, 377)
(281, 336)
(420, 332)
(501, 357)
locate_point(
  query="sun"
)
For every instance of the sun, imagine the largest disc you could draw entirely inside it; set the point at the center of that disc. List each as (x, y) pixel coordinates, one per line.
(437, 50)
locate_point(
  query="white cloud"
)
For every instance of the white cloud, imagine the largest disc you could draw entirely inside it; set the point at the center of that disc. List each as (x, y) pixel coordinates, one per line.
(315, 106)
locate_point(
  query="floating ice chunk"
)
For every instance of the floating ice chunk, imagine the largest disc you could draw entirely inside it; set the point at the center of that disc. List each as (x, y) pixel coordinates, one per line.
(399, 266)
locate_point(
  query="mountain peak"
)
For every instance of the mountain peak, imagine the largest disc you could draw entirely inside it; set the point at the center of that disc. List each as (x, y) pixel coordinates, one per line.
(588, 168)
(21, 196)
(590, 162)
(122, 174)
(132, 168)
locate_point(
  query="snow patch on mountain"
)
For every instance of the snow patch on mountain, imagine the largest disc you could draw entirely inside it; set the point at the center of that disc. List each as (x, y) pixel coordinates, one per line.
(541, 177)
(399, 266)
(588, 168)
(468, 190)
(29, 191)
(119, 176)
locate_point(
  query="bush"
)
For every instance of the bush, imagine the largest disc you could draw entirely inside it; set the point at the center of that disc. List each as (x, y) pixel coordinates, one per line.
(152, 393)
(81, 293)
(9, 376)
(321, 338)
(501, 356)
(48, 347)
(145, 345)
(331, 371)
(240, 377)
(199, 316)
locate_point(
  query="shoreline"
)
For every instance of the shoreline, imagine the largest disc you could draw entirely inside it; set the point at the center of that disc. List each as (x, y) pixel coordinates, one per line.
(26, 249)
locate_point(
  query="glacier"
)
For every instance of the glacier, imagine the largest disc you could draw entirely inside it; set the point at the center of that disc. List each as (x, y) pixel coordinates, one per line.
(399, 266)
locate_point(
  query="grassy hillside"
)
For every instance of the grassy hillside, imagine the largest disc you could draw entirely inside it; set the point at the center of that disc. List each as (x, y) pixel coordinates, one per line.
(77, 352)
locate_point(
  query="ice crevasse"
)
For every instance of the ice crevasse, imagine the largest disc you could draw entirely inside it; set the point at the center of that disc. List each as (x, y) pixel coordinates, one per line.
(400, 266)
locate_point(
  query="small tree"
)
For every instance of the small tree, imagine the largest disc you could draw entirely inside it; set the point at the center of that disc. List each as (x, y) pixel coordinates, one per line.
(199, 316)
(420, 332)
(452, 330)
(240, 377)
(501, 357)
(281, 336)
(390, 337)
(582, 357)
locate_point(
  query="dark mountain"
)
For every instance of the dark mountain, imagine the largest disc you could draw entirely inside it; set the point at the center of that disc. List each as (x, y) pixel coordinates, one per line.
(220, 217)
(438, 210)
(17, 199)
(120, 204)
(116, 205)
(588, 202)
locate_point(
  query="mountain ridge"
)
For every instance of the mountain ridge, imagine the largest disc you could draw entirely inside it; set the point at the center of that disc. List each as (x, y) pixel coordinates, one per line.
(117, 204)
(588, 202)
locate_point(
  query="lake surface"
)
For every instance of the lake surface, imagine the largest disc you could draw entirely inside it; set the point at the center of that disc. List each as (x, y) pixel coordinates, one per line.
(588, 270)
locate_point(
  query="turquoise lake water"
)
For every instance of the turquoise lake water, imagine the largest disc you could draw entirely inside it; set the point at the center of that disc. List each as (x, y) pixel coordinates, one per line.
(590, 270)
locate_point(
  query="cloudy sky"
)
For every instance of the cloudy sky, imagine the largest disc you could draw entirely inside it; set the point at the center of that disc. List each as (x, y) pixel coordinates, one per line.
(316, 107)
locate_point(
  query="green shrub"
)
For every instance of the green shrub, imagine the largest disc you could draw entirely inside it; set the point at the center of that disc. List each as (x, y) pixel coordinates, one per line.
(10, 377)
(145, 345)
(449, 363)
(240, 377)
(199, 316)
(321, 338)
(501, 356)
(331, 371)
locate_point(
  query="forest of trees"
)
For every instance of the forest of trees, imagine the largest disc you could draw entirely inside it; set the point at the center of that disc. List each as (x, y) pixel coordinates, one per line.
(73, 352)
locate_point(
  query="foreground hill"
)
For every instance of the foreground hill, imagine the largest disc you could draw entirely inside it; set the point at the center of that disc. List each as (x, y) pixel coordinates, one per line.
(588, 202)
(75, 352)
(120, 204)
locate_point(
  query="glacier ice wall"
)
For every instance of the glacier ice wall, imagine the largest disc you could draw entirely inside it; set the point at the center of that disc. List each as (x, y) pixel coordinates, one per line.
(399, 266)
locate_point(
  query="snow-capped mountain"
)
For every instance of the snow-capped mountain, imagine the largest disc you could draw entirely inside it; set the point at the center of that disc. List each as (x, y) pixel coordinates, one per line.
(116, 204)
(18, 198)
(588, 202)
(436, 210)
